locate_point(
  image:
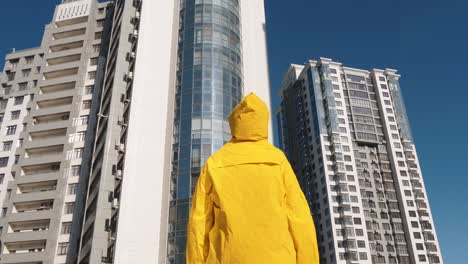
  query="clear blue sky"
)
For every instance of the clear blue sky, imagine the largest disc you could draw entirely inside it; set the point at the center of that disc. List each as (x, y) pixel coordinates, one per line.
(427, 41)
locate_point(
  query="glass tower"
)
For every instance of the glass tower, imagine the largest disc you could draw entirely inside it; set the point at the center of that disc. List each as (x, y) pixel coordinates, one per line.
(209, 84)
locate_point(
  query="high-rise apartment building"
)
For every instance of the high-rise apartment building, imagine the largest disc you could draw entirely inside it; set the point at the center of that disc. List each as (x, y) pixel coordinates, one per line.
(347, 136)
(48, 110)
(118, 124)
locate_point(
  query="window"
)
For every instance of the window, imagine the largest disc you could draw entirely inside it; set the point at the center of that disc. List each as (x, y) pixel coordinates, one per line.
(23, 86)
(1, 118)
(385, 94)
(72, 188)
(96, 48)
(89, 89)
(15, 115)
(359, 232)
(7, 145)
(100, 23)
(4, 211)
(26, 72)
(75, 170)
(11, 130)
(3, 103)
(98, 35)
(384, 86)
(401, 163)
(19, 100)
(92, 75)
(362, 255)
(13, 63)
(381, 78)
(93, 61)
(4, 162)
(2, 178)
(80, 136)
(29, 59)
(66, 228)
(62, 248)
(422, 258)
(86, 104)
(69, 208)
(78, 153)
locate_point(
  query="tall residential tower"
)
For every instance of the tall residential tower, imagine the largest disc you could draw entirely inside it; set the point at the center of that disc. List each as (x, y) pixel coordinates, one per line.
(135, 121)
(347, 135)
(48, 109)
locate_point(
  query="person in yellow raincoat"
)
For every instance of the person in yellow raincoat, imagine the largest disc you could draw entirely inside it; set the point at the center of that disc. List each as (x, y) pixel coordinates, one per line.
(248, 207)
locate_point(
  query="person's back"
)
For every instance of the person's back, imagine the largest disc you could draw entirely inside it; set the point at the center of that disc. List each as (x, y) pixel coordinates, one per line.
(248, 207)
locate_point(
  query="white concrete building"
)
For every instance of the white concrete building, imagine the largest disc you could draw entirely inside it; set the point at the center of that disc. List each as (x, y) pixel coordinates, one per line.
(347, 135)
(47, 113)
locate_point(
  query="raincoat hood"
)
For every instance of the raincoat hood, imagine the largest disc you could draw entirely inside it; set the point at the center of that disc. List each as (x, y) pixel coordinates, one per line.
(249, 119)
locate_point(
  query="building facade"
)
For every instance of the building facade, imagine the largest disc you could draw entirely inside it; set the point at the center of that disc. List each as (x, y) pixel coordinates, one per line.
(348, 138)
(127, 100)
(48, 108)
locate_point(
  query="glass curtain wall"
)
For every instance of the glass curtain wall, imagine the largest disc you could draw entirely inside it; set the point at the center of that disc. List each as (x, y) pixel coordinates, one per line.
(209, 85)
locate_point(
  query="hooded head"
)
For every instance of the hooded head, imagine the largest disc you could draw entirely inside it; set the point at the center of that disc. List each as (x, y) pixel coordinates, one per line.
(249, 119)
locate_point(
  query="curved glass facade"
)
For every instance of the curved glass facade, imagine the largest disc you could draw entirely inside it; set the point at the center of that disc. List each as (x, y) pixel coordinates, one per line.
(209, 85)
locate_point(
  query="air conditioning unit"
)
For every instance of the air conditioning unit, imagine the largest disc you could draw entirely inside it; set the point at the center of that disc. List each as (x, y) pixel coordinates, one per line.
(128, 77)
(137, 3)
(108, 225)
(136, 18)
(131, 56)
(133, 36)
(118, 175)
(120, 147)
(115, 203)
(124, 99)
(121, 123)
(106, 260)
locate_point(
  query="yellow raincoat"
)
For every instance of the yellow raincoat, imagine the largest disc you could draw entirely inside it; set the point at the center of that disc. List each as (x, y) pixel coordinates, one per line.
(248, 207)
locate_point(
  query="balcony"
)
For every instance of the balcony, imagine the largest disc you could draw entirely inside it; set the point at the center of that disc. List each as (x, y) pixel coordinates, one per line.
(43, 152)
(69, 33)
(73, 21)
(46, 120)
(64, 101)
(60, 73)
(21, 247)
(66, 46)
(46, 168)
(63, 59)
(29, 226)
(37, 187)
(33, 206)
(58, 87)
(53, 134)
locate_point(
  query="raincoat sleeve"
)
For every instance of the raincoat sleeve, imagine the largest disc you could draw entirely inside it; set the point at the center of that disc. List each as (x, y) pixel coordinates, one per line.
(301, 225)
(200, 221)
